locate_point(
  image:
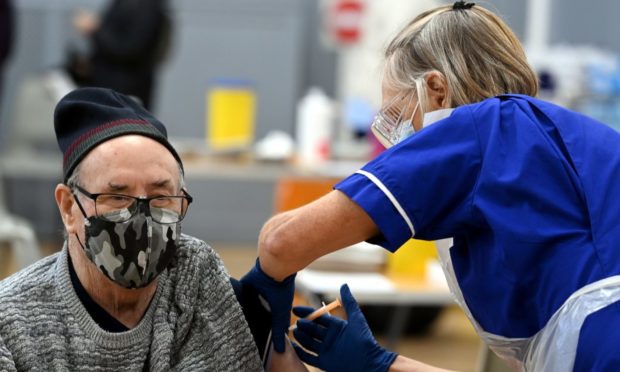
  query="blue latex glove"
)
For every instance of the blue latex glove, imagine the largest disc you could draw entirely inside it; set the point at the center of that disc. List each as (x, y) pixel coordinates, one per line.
(279, 296)
(340, 345)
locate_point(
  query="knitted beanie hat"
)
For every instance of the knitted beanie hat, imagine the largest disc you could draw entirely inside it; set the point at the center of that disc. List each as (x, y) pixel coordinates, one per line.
(87, 117)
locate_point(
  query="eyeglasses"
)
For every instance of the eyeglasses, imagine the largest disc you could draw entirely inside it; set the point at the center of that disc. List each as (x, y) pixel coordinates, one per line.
(387, 122)
(121, 208)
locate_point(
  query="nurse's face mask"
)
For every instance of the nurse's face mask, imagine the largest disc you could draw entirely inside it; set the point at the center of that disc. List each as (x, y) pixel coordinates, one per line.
(132, 240)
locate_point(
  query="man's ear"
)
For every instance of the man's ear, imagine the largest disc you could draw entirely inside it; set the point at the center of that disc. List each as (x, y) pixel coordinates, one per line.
(437, 90)
(66, 202)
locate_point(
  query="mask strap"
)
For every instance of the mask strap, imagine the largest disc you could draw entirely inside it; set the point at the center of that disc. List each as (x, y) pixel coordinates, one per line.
(79, 241)
(408, 105)
(415, 110)
(79, 204)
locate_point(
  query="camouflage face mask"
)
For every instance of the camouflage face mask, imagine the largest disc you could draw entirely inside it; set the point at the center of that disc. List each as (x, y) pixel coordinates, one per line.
(131, 253)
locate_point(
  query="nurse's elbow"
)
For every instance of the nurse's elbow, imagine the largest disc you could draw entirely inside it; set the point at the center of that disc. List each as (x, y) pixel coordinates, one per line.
(278, 247)
(272, 245)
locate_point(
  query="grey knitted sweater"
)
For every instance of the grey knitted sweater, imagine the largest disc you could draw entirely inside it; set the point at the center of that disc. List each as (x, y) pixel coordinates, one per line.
(194, 322)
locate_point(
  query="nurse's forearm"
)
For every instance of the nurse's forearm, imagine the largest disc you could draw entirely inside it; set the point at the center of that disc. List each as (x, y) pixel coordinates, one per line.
(403, 364)
(290, 241)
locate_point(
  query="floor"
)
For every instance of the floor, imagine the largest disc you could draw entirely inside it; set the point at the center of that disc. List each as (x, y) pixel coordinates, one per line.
(451, 342)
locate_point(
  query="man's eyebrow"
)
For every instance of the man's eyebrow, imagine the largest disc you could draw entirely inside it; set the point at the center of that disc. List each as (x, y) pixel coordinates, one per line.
(161, 183)
(116, 187)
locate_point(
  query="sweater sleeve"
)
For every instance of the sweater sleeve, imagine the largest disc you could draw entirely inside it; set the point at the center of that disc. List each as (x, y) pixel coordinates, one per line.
(6, 358)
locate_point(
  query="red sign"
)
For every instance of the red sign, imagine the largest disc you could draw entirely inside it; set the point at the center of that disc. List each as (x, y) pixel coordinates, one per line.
(345, 20)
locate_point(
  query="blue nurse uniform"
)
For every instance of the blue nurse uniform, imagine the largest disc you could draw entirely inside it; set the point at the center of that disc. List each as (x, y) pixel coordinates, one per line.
(530, 192)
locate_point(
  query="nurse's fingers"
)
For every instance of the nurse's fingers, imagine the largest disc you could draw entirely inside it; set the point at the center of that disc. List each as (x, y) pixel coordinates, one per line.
(303, 311)
(306, 357)
(307, 341)
(312, 329)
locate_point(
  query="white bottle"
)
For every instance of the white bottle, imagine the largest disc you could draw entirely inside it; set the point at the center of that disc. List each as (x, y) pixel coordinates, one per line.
(314, 125)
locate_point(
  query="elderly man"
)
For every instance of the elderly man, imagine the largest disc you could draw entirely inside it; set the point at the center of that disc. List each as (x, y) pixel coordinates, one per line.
(128, 291)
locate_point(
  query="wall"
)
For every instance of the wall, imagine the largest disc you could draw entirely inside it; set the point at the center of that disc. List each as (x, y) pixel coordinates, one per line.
(270, 42)
(586, 22)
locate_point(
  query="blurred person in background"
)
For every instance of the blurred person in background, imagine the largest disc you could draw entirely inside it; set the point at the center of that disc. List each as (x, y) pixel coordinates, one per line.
(6, 36)
(126, 45)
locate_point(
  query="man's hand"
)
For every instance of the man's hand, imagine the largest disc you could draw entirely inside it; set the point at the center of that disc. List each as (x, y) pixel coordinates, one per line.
(279, 296)
(340, 345)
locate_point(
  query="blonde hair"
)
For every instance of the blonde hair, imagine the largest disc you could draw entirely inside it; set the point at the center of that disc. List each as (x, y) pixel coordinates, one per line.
(476, 52)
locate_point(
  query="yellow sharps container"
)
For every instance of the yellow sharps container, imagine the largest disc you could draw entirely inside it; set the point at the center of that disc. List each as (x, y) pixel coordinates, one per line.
(411, 259)
(231, 112)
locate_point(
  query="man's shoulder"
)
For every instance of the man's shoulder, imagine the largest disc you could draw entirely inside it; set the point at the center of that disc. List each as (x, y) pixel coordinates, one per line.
(194, 251)
(197, 283)
(195, 255)
(197, 267)
(39, 274)
(33, 284)
(192, 245)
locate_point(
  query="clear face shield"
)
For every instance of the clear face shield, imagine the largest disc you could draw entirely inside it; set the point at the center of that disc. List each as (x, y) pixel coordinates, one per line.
(388, 125)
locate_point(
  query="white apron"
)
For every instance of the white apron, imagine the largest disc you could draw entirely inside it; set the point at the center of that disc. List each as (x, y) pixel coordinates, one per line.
(554, 347)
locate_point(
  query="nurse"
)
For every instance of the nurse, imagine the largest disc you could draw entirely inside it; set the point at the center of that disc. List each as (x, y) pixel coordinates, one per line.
(528, 190)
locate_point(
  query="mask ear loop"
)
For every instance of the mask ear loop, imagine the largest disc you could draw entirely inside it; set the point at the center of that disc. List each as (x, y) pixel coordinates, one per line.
(400, 122)
(415, 110)
(80, 242)
(85, 218)
(77, 201)
(416, 106)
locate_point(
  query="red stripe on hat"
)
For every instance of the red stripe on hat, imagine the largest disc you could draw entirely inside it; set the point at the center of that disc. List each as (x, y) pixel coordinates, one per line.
(98, 129)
